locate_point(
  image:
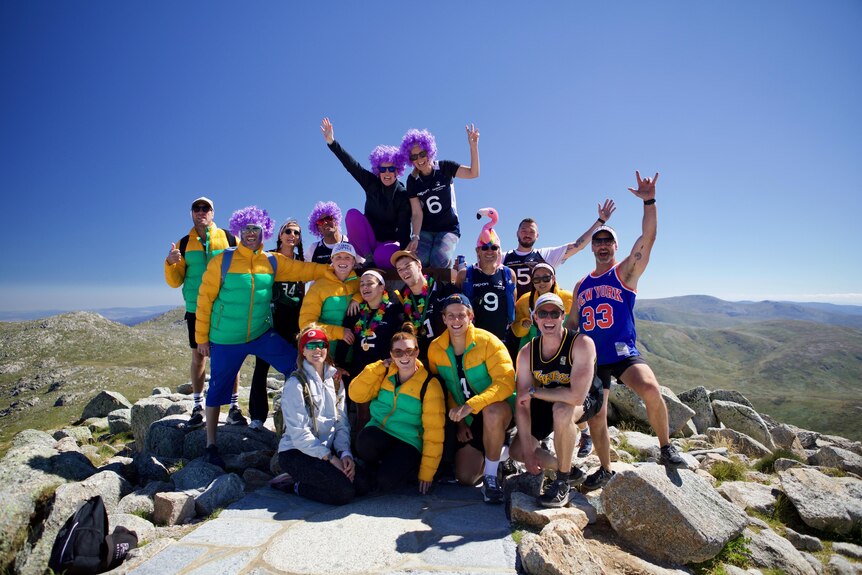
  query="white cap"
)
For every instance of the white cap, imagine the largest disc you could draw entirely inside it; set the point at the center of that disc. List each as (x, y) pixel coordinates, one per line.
(203, 200)
(608, 229)
(549, 298)
(346, 248)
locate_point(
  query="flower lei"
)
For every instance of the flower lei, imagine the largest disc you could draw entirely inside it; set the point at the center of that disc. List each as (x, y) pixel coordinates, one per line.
(367, 323)
(417, 316)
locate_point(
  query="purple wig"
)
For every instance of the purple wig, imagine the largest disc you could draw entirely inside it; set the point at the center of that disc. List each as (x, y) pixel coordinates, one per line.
(423, 138)
(386, 155)
(320, 210)
(251, 216)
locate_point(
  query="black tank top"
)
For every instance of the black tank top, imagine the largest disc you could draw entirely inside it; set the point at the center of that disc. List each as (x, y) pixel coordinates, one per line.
(556, 371)
(322, 254)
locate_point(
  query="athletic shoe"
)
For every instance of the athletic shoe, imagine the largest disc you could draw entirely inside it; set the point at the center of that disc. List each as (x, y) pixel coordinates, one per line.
(212, 456)
(283, 482)
(556, 495)
(670, 457)
(506, 469)
(586, 446)
(256, 424)
(491, 492)
(576, 476)
(197, 418)
(235, 417)
(598, 479)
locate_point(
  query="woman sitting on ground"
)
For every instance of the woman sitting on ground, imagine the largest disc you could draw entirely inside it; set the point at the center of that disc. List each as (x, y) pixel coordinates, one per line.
(404, 438)
(315, 449)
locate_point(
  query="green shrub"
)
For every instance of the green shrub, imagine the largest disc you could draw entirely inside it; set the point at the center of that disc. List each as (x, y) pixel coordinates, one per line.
(767, 464)
(733, 470)
(735, 552)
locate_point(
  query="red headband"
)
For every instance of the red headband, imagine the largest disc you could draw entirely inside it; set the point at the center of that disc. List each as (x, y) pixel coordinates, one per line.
(312, 335)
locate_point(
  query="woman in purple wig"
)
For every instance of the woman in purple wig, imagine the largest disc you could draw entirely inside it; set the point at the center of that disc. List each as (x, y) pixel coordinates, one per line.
(432, 196)
(385, 226)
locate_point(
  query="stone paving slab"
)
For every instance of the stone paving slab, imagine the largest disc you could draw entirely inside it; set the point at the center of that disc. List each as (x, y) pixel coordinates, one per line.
(271, 533)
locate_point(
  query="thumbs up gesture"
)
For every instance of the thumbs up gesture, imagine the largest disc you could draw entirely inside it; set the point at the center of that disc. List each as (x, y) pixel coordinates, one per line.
(174, 255)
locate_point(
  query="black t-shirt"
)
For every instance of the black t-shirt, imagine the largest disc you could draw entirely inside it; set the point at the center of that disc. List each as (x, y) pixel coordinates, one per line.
(523, 266)
(462, 377)
(373, 347)
(286, 302)
(432, 317)
(436, 191)
(490, 305)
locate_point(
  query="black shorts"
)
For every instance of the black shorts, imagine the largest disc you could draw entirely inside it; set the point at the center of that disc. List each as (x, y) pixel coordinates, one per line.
(190, 322)
(616, 369)
(542, 413)
(477, 428)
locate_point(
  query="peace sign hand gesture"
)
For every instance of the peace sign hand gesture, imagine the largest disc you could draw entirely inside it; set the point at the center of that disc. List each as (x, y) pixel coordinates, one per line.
(646, 187)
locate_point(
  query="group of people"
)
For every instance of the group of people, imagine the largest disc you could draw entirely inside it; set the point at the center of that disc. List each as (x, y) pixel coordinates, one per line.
(471, 372)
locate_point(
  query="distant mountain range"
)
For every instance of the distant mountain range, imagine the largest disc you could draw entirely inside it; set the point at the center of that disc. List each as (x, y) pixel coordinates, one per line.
(124, 315)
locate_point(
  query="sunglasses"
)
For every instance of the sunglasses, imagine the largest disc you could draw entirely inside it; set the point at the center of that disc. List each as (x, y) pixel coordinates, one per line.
(290, 231)
(487, 247)
(325, 220)
(605, 241)
(384, 169)
(414, 157)
(399, 353)
(542, 314)
(252, 229)
(542, 279)
(201, 208)
(312, 345)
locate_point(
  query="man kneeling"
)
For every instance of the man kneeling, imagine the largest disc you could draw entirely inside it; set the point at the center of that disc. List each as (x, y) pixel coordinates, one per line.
(557, 389)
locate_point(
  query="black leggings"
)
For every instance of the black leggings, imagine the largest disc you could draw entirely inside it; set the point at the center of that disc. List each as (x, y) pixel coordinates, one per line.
(391, 461)
(319, 480)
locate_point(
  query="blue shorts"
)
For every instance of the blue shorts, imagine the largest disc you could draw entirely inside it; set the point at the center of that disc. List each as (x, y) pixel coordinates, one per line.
(226, 361)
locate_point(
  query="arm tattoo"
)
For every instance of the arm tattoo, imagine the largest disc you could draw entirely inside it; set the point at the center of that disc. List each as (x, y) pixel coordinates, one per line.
(638, 256)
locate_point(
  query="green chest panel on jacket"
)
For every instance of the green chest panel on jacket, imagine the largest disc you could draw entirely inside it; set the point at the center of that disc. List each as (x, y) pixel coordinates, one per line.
(241, 312)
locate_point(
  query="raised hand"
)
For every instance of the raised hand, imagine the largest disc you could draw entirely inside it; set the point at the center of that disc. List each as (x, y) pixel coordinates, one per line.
(646, 187)
(606, 210)
(472, 134)
(174, 255)
(328, 132)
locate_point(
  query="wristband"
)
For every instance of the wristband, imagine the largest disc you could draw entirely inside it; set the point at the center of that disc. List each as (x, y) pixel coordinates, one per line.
(601, 221)
(649, 202)
(531, 391)
(414, 237)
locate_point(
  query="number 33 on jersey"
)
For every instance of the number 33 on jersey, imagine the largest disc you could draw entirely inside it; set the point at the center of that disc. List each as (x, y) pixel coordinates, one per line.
(605, 313)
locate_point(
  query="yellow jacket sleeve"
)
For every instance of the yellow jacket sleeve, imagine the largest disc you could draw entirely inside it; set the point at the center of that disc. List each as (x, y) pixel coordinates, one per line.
(298, 271)
(502, 372)
(522, 312)
(366, 385)
(175, 274)
(312, 304)
(207, 294)
(433, 424)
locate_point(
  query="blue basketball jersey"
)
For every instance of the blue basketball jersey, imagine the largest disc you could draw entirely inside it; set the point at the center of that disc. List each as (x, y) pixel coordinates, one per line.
(606, 314)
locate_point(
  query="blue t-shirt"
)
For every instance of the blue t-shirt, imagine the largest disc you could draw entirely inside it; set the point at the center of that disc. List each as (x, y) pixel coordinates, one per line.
(436, 192)
(606, 314)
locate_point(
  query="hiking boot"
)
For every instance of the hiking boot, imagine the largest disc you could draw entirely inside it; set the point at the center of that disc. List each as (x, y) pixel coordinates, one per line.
(576, 476)
(197, 418)
(506, 469)
(670, 457)
(256, 424)
(586, 446)
(598, 479)
(491, 492)
(235, 417)
(212, 456)
(556, 495)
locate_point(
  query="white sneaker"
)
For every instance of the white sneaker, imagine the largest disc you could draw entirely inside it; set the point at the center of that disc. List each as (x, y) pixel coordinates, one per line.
(256, 424)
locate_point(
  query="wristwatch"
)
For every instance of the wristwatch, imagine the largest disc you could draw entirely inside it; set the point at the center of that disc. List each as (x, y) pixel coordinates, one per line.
(414, 237)
(531, 391)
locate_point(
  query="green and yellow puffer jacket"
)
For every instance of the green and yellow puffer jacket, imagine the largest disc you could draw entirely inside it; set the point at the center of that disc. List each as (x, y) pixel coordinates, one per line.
(190, 269)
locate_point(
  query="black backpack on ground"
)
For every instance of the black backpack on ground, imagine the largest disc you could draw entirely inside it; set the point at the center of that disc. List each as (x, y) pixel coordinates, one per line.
(84, 546)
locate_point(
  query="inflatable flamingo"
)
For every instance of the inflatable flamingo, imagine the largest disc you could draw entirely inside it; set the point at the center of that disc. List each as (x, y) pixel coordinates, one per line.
(488, 235)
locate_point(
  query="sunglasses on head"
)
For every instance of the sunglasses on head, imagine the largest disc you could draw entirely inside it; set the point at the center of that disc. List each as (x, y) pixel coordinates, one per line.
(542, 279)
(312, 345)
(201, 208)
(554, 314)
(487, 247)
(251, 229)
(399, 353)
(392, 169)
(290, 231)
(414, 157)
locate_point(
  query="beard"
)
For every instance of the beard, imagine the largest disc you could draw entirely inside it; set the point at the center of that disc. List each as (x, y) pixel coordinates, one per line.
(527, 243)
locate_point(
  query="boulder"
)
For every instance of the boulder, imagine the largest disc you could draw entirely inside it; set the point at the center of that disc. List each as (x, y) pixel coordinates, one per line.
(124, 466)
(838, 565)
(161, 391)
(838, 441)
(223, 491)
(247, 460)
(740, 442)
(729, 395)
(255, 478)
(807, 438)
(745, 420)
(770, 551)
(670, 515)
(120, 421)
(847, 549)
(154, 408)
(198, 474)
(823, 502)
(149, 468)
(140, 501)
(104, 403)
(783, 464)
(630, 406)
(814, 562)
(80, 434)
(785, 438)
(558, 549)
(143, 528)
(698, 400)
(831, 456)
(231, 440)
(747, 495)
(165, 436)
(802, 542)
(525, 509)
(32, 437)
(96, 424)
(173, 508)
(66, 444)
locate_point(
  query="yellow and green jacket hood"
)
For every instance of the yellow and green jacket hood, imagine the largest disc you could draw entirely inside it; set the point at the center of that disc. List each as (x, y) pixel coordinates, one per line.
(190, 269)
(400, 412)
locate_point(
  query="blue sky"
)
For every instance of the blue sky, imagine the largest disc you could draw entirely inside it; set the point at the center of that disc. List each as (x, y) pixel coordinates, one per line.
(114, 116)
